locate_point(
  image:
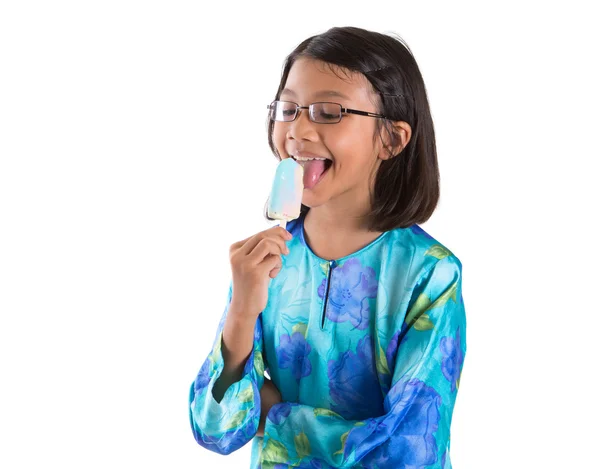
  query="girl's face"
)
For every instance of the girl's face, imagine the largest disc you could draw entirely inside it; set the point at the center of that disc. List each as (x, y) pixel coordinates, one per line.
(349, 144)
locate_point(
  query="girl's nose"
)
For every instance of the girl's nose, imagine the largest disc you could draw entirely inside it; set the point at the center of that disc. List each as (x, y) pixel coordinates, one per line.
(302, 127)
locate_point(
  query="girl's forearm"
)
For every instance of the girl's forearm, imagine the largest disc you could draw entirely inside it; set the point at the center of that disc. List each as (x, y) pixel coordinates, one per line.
(236, 346)
(269, 396)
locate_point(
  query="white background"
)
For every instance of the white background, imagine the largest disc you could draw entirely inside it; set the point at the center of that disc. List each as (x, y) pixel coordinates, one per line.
(133, 153)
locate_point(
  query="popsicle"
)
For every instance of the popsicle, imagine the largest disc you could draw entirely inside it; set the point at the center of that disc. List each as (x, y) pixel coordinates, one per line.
(286, 194)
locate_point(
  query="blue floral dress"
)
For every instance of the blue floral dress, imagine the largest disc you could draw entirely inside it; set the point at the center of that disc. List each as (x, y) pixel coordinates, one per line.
(366, 350)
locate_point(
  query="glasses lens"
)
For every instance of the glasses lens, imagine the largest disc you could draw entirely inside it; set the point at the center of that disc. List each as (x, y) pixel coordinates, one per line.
(283, 111)
(326, 113)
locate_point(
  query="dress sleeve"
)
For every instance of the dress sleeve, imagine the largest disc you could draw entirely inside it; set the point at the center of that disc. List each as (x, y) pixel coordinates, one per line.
(226, 426)
(414, 430)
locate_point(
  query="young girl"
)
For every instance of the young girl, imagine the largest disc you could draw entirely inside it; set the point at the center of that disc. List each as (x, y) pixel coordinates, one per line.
(355, 312)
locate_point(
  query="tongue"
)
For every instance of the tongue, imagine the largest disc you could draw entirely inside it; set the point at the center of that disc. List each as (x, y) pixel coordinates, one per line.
(312, 172)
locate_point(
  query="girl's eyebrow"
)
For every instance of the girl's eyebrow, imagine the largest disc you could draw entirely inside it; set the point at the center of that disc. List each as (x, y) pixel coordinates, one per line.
(326, 93)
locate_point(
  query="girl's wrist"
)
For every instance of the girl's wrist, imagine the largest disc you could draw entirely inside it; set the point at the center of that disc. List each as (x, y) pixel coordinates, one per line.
(237, 313)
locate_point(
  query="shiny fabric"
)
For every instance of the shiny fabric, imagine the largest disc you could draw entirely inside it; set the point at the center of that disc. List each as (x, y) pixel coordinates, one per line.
(367, 352)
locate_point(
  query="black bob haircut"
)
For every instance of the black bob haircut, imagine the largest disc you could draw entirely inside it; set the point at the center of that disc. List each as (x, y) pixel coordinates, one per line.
(406, 189)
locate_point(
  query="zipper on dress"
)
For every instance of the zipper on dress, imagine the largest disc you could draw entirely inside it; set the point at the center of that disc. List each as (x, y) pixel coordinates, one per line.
(332, 265)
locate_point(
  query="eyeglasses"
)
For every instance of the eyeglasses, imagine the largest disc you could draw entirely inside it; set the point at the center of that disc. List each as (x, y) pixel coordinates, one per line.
(321, 113)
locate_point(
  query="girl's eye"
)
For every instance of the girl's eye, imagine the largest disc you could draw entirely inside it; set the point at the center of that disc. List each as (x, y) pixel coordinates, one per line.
(331, 117)
(289, 112)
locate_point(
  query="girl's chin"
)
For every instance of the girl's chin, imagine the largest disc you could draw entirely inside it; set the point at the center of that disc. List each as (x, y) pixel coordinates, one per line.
(315, 198)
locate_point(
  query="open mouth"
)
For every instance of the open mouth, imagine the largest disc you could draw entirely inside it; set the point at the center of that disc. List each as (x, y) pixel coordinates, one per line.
(314, 170)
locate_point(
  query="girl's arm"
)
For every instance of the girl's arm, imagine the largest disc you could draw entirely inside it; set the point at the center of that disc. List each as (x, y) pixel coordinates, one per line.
(269, 396)
(224, 399)
(415, 428)
(236, 346)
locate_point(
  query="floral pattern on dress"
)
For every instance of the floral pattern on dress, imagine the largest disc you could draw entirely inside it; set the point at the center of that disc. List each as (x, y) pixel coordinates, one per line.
(350, 292)
(293, 353)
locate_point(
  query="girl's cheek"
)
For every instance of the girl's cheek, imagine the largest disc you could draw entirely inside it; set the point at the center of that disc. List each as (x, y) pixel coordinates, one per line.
(278, 138)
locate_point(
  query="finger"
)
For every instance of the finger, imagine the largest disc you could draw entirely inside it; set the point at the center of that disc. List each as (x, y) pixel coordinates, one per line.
(265, 248)
(272, 264)
(275, 232)
(238, 245)
(255, 239)
(275, 272)
(283, 249)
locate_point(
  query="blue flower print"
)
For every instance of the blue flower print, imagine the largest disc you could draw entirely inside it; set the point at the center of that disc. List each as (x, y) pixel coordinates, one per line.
(257, 330)
(203, 377)
(293, 353)
(377, 432)
(416, 229)
(413, 422)
(279, 412)
(392, 349)
(313, 464)
(453, 358)
(352, 285)
(354, 387)
(230, 441)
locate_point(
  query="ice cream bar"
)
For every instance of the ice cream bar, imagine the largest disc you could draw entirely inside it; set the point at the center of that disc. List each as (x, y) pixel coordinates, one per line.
(286, 194)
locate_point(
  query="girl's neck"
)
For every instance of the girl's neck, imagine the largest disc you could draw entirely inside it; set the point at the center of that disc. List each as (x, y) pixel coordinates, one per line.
(333, 236)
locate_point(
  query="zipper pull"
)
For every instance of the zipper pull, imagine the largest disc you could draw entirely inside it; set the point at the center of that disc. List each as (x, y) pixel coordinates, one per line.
(332, 265)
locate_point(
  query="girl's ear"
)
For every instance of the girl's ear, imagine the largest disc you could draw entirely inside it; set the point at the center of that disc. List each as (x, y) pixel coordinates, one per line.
(401, 136)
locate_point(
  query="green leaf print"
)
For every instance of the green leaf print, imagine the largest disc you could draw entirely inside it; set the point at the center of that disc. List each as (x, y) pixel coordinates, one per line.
(300, 327)
(320, 412)
(343, 440)
(417, 309)
(259, 365)
(237, 419)
(438, 251)
(247, 395)
(381, 362)
(302, 445)
(269, 465)
(444, 297)
(274, 452)
(417, 312)
(423, 323)
(216, 349)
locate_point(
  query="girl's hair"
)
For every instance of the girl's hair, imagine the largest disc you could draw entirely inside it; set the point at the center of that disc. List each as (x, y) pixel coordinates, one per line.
(406, 185)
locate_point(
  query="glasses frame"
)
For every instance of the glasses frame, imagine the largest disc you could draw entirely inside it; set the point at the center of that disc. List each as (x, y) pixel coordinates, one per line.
(344, 110)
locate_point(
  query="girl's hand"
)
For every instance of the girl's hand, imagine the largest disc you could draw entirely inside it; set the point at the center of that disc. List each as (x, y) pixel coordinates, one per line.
(269, 396)
(254, 262)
